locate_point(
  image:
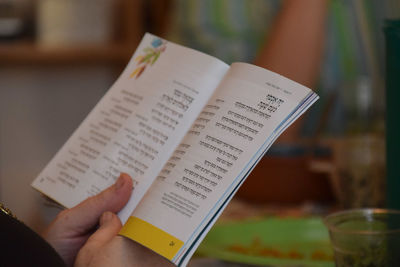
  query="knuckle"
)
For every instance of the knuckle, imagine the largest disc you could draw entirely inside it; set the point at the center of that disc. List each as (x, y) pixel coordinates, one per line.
(99, 200)
(62, 215)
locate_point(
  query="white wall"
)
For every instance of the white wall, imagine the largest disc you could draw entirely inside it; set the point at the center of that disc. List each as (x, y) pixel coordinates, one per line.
(39, 109)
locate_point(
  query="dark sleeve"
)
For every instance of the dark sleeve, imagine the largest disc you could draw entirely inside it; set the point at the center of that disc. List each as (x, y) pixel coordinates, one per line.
(20, 246)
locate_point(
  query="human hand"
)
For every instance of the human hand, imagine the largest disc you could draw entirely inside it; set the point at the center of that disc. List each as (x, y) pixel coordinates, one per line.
(104, 248)
(73, 227)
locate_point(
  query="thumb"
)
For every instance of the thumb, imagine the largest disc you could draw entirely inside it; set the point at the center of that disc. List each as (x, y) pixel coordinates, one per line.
(85, 216)
(109, 226)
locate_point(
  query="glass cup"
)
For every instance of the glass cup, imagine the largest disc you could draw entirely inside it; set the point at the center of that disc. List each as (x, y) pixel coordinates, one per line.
(365, 237)
(361, 172)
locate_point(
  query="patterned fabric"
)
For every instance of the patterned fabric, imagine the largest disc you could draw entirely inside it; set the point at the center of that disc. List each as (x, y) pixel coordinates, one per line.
(234, 30)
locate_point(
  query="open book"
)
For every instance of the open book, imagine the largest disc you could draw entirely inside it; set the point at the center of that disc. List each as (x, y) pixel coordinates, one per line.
(188, 128)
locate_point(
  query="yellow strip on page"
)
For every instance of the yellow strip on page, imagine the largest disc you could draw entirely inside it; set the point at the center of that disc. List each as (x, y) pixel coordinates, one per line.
(152, 237)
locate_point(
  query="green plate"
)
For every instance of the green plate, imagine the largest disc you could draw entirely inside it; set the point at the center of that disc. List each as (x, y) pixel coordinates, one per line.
(274, 241)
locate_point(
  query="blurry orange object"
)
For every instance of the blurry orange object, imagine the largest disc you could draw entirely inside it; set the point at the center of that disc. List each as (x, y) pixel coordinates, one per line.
(287, 175)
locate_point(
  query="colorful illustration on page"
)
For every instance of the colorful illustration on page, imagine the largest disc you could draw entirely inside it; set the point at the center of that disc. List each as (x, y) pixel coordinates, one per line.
(149, 56)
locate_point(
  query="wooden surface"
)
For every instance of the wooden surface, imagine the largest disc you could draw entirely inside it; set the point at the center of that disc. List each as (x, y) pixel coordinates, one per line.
(29, 53)
(127, 32)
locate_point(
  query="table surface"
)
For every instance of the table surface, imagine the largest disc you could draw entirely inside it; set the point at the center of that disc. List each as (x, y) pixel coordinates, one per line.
(238, 210)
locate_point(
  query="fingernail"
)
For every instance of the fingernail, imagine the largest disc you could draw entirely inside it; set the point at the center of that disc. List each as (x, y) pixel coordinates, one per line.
(106, 217)
(120, 182)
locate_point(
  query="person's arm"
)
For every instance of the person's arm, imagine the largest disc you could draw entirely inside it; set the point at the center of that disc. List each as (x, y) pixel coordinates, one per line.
(294, 46)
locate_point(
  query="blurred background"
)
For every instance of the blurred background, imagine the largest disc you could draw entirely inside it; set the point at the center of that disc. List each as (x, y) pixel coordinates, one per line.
(59, 57)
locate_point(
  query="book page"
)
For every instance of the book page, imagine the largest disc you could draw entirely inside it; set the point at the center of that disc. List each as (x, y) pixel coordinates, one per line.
(136, 126)
(250, 108)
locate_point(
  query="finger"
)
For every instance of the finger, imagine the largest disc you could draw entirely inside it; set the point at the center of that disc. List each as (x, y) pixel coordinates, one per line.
(110, 225)
(86, 215)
